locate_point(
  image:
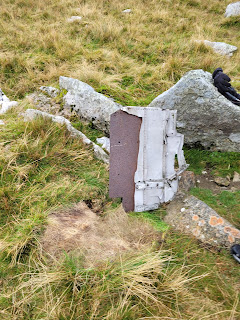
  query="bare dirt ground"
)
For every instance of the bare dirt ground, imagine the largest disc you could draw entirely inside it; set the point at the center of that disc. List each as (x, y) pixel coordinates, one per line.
(206, 181)
(96, 238)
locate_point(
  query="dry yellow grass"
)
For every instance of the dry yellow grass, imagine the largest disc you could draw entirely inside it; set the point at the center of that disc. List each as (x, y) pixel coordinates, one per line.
(132, 56)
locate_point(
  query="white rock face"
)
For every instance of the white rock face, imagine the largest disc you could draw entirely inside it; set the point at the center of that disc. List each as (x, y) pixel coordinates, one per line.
(74, 18)
(204, 116)
(5, 103)
(220, 47)
(31, 114)
(233, 9)
(87, 103)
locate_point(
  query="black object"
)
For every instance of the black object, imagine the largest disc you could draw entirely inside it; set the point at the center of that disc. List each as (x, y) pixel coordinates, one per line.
(222, 83)
(235, 252)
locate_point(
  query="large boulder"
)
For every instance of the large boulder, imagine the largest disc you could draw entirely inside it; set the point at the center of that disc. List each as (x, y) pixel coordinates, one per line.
(193, 216)
(90, 105)
(205, 117)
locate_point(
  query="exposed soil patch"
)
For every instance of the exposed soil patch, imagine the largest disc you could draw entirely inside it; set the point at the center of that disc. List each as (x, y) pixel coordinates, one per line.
(96, 238)
(206, 181)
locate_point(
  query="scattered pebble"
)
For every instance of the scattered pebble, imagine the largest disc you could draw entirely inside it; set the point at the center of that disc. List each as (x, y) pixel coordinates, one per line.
(127, 11)
(183, 209)
(198, 181)
(204, 172)
(74, 18)
(2, 123)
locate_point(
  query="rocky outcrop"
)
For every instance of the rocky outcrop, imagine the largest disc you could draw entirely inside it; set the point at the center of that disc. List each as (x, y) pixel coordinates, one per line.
(5, 103)
(192, 216)
(31, 114)
(87, 103)
(205, 117)
(233, 9)
(220, 47)
(46, 102)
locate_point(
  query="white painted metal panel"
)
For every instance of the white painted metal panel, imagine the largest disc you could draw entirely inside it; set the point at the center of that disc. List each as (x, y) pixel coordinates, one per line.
(156, 180)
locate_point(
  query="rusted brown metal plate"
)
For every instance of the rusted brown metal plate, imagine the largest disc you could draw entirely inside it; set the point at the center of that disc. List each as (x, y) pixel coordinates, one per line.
(124, 146)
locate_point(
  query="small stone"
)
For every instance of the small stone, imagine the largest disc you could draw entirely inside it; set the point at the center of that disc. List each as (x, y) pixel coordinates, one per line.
(2, 123)
(204, 172)
(225, 182)
(187, 181)
(222, 48)
(183, 209)
(198, 181)
(50, 91)
(74, 18)
(232, 10)
(127, 11)
(236, 177)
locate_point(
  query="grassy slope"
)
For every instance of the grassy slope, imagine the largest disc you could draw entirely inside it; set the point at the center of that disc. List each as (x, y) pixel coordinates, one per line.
(132, 58)
(42, 169)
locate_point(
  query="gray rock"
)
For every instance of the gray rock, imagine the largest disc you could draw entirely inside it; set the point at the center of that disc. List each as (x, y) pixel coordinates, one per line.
(47, 104)
(187, 181)
(225, 182)
(31, 114)
(233, 9)
(194, 217)
(235, 137)
(87, 103)
(220, 47)
(236, 177)
(205, 117)
(50, 91)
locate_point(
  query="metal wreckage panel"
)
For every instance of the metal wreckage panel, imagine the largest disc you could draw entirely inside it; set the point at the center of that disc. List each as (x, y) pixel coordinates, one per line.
(156, 142)
(124, 146)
